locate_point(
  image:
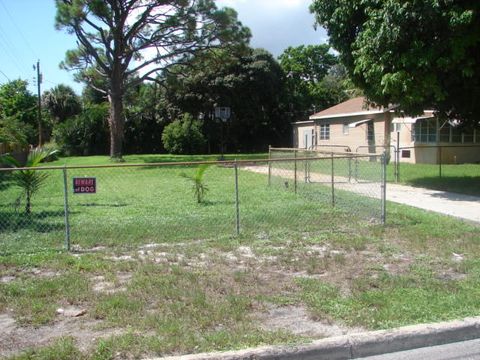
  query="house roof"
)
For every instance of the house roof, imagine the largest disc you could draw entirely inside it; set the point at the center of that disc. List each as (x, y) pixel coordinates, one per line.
(355, 106)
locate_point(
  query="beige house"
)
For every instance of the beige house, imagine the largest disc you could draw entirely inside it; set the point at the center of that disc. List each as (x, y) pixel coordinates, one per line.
(355, 126)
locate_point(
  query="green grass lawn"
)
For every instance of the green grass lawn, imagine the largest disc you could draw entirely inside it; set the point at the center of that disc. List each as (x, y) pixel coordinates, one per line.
(176, 279)
(150, 158)
(464, 178)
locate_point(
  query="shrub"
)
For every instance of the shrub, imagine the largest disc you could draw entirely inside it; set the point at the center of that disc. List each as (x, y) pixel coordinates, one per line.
(84, 134)
(184, 136)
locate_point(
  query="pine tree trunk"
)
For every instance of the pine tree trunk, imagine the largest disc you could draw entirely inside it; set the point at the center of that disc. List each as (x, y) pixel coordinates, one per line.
(117, 119)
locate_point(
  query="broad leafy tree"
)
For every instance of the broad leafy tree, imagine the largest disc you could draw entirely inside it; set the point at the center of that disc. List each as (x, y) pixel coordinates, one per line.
(310, 63)
(250, 82)
(18, 119)
(126, 42)
(418, 54)
(147, 114)
(313, 80)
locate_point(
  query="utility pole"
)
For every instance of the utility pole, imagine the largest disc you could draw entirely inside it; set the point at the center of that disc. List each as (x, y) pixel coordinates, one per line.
(39, 115)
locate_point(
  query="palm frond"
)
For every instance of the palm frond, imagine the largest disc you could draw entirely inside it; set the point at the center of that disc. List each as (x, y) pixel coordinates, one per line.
(29, 179)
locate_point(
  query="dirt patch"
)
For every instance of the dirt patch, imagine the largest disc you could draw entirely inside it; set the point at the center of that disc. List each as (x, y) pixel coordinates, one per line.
(102, 285)
(6, 279)
(44, 273)
(15, 339)
(296, 320)
(78, 249)
(120, 258)
(161, 257)
(33, 272)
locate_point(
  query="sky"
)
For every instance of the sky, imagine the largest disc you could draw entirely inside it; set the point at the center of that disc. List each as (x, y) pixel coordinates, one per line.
(27, 34)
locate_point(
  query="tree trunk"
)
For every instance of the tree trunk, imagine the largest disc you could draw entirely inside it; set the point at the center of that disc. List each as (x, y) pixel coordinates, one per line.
(116, 120)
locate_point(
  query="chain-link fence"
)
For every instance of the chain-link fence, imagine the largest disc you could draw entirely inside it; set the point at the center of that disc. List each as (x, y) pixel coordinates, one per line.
(128, 205)
(349, 182)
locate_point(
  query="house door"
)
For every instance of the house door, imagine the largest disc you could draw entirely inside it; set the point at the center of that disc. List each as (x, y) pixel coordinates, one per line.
(307, 139)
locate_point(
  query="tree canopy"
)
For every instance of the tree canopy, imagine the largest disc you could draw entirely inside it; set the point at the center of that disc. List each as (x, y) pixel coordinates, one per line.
(417, 54)
(61, 102)
(250, 82)
(127, 42)
(315, 79)
(17, 113)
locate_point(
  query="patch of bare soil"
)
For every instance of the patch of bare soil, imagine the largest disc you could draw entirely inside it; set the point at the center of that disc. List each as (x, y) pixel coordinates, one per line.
(296, 320)
(15, 339)
(7, 278)
(34, 272)
(102, 285)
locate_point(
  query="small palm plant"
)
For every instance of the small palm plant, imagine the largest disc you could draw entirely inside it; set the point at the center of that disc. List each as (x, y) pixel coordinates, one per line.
(199, 187)
(29, 180)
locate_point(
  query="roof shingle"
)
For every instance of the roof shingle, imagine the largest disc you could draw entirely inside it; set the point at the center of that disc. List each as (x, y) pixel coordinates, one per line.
(355, 105)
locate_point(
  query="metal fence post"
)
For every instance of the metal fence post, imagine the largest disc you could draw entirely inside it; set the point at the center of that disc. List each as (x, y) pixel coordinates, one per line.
(237, 206)
(397, 160)
(66, 210)
(333, 182)
(305, 168)
(295, 170)
(384, 188)
(440, 161)
(349, 169)
(269, 165)
(356, 169)
(397, 165)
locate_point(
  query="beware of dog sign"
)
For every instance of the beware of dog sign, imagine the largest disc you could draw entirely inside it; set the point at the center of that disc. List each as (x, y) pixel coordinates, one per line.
(87, 185)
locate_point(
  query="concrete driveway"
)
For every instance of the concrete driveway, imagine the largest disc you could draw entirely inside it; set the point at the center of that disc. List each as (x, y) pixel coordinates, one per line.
(458, 205)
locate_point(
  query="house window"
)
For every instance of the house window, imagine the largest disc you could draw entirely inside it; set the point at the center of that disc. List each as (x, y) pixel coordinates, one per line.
(468, 137)
(325, 132)
(445, 134)
(395, 127)
(370, 131)
(406, 154)
(425, 131)
(346, 129)
(456, 135)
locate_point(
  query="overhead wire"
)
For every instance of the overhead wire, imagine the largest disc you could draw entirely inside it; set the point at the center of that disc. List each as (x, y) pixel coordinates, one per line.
(18, 29)
(10, 49)
(1, 72)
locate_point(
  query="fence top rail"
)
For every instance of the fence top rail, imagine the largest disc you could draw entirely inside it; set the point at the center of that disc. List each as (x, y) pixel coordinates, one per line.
(316, 149)
(375, 146)
(187, 163)
(439, 146)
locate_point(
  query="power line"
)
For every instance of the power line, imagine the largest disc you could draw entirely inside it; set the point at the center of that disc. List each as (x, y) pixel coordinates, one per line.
(12, 57)
(50, 82)
(12, 51)
(1, 72)
(18, 29)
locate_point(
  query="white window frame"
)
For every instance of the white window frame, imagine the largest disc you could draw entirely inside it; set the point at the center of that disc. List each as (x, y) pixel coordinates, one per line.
(421, 129)
(324, 131)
